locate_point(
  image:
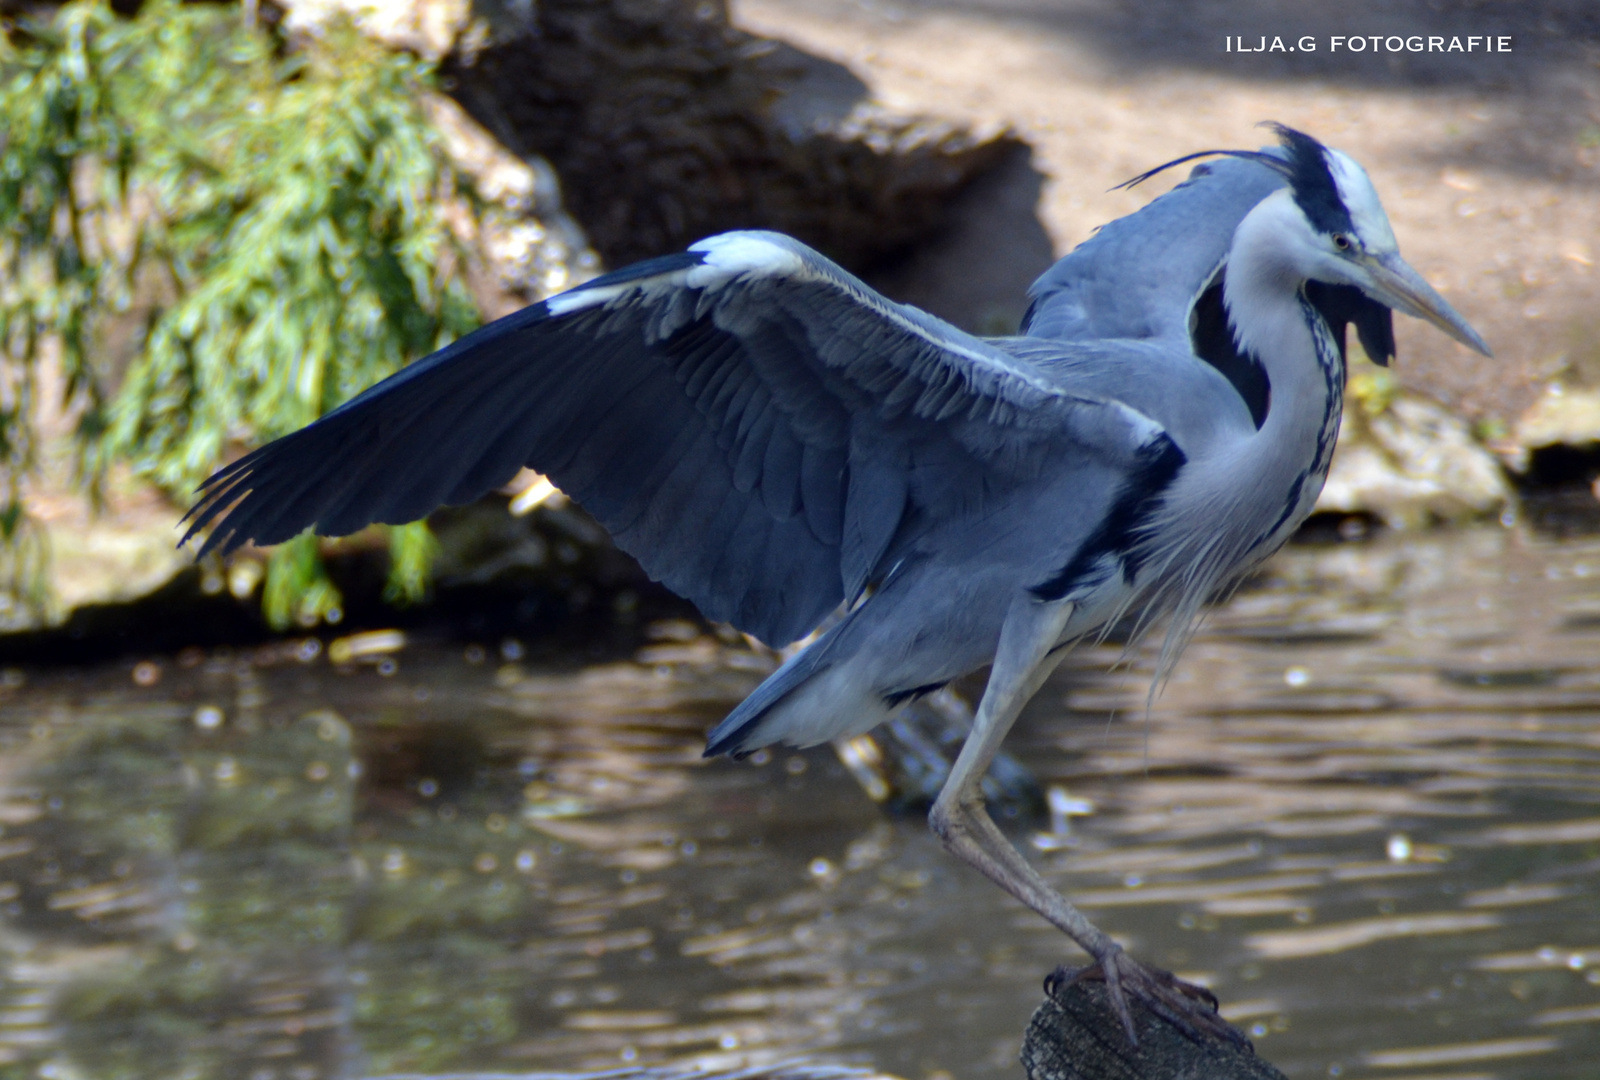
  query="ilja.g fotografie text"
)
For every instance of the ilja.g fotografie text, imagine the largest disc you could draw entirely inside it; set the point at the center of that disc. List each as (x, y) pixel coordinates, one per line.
(1394, 43)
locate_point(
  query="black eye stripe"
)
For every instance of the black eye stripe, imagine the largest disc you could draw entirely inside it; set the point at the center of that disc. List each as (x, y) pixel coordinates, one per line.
(1312, 182)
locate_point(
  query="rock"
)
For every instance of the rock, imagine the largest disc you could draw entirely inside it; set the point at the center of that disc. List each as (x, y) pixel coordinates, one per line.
(667, 124)
(522, 235)
(1563, 416)
(429, 28)
(1408, 461)
(119, 555)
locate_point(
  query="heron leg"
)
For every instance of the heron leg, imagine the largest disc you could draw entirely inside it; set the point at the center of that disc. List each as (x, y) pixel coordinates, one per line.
(960, 819)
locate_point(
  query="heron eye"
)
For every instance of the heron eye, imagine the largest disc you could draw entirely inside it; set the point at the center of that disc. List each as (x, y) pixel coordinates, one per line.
(1341, 241)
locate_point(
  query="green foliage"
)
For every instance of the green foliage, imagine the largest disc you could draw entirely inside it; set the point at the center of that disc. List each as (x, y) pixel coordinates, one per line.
(300, 221)
(54, 113)
(24, 554)
(297, 588)
(1374, 389)
(412, 550)
(272, 217)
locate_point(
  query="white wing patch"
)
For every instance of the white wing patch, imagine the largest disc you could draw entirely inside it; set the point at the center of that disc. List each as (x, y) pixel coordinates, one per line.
(727, 257)
(580, 298)
(761, 254)
(736, 254)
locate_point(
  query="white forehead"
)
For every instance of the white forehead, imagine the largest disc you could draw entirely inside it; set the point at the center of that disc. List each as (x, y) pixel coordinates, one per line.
(1360, 199)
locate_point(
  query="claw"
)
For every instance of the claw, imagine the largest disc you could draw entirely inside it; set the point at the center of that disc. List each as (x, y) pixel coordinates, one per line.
(1060, 977)
(1202, 992)
(1191, 1009)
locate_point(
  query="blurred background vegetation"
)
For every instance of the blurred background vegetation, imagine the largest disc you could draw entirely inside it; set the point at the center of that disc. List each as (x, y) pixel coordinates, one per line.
(218, 239)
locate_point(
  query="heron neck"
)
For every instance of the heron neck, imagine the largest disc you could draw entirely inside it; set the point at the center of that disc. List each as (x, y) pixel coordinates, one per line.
(1284, 463)
(1263, 293)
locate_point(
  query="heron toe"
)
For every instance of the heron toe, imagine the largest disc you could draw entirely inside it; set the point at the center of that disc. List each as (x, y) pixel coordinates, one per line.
(1189, 1008)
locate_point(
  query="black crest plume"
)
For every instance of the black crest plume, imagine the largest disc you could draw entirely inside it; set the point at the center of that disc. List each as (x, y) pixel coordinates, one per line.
(1303, 163)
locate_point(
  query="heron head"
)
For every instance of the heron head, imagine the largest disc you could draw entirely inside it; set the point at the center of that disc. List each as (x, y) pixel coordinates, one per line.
(1337, 231)
(1346, 238)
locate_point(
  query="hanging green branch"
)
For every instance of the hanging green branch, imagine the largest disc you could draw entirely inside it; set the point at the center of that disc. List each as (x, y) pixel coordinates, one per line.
(276, 215)
(59, 130)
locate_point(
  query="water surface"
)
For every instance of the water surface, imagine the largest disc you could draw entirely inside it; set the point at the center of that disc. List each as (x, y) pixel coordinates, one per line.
(1366, 810)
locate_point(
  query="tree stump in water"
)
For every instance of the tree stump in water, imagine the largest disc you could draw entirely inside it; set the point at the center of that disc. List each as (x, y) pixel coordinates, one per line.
(1075, 1035)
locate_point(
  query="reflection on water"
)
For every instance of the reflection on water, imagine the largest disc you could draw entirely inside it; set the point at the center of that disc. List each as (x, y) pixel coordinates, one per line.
(1366, 810)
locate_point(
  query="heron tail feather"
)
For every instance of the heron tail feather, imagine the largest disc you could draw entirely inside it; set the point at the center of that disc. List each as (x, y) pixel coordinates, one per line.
(817, 695)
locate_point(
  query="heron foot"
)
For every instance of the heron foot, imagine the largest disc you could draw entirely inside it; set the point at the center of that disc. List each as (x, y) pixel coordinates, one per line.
(1189, 1008)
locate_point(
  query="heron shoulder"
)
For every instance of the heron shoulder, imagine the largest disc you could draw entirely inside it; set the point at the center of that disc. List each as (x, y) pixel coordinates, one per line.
(1160, 379)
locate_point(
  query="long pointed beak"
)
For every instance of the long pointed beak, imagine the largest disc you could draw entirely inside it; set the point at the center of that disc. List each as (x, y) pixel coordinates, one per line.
(1402, 288)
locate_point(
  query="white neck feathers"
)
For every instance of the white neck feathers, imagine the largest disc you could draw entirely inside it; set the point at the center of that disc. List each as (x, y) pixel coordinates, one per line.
(1262, 294)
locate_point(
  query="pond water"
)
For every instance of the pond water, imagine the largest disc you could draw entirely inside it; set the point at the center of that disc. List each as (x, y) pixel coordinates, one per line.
(1366, 811)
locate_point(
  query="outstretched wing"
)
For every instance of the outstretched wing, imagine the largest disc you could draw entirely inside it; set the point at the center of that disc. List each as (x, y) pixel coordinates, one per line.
(752, 423)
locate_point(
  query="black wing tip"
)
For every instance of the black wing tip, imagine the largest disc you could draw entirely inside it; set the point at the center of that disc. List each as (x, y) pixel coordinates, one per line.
(223, 499)
(219, 495)
(224, 539)
(233, 468)
(723, 746)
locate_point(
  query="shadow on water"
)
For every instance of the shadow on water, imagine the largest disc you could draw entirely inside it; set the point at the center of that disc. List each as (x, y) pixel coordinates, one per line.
(1366, 810)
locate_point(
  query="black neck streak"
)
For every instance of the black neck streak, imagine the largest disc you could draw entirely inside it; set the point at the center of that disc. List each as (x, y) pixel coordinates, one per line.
(1330, 361)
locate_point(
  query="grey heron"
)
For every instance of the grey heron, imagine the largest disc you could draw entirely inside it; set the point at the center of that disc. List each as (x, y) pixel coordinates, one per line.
(773, 439)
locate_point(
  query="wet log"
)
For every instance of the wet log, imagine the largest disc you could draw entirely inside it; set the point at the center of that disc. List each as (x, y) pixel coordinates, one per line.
(1075, 1035)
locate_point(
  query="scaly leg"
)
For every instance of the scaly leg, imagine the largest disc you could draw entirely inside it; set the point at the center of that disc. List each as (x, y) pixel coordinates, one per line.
(959, 817)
